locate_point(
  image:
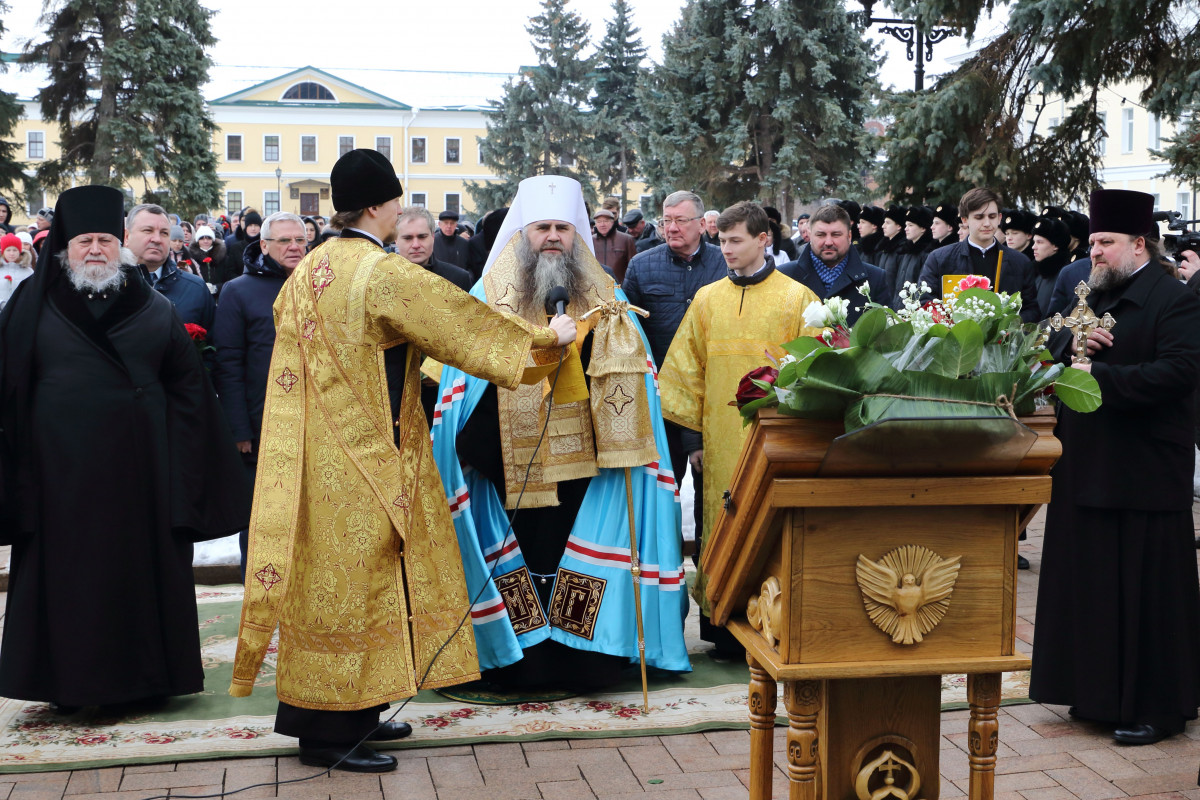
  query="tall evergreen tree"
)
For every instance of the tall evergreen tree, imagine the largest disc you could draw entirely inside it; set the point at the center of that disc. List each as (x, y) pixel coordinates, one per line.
(968, 129)
(541, 125)
(765, 100)
(125, 78)
(12, 175)
(618, 117)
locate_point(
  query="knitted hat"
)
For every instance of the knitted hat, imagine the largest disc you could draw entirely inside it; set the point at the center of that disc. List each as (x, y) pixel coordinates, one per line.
(9, 240)
(252, 218)
(363, 178)
(176, 233)
(203, 231)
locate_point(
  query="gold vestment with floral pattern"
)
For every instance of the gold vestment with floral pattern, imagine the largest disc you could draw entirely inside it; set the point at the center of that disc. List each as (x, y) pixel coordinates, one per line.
(352, 552)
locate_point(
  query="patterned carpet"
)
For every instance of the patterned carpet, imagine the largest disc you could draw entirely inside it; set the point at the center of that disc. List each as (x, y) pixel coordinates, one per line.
(214, 725)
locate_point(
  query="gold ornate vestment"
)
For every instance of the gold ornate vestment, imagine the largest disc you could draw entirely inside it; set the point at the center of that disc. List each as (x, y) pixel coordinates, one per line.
(723, 336)
(352, 549)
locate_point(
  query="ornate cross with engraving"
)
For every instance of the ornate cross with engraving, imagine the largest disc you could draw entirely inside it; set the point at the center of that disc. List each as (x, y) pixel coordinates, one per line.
(1082, 321)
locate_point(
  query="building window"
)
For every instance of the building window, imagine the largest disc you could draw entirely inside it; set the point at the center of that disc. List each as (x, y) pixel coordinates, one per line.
(233, 147)
(1103, 133)
(1126, 130)
(309, 91)
(270, 203)
(1155, 138)
(1053, 124)
(233, 202)
(454, 151)
(1183, 204)
(383, 145)
(418, 199)
(418, 150)
(345, 145)
(308, 148)
(35, 145)
(1155, 196)
(271, 148)
(452, 202)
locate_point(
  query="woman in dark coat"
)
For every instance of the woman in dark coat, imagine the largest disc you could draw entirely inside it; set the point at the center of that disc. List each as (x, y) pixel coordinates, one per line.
(1051, 243)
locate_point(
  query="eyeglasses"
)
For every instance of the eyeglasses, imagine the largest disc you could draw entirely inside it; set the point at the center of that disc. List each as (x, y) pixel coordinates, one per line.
(680, 221)
(289, 242)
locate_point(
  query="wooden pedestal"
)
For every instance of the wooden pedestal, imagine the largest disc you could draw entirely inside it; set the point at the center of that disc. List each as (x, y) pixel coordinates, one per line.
(786, 569)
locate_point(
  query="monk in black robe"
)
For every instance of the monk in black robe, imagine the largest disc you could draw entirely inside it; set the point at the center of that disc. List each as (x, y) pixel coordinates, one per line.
(1118, 613)
(116, 458)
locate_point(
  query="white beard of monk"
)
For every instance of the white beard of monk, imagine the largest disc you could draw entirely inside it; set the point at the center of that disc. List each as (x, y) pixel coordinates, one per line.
(538, 273)
(97, 276)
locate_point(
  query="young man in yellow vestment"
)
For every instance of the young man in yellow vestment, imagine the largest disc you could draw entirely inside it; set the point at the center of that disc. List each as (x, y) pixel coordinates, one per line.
(723, 336)
(352, 549)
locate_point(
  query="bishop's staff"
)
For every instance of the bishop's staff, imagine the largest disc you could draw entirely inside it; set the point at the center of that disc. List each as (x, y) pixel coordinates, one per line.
(618, 381)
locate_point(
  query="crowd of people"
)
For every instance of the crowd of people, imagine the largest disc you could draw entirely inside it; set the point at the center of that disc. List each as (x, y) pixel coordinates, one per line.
(393, 389)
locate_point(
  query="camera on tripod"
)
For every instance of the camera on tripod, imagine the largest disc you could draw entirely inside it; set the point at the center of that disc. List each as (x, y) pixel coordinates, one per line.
(1182, 239)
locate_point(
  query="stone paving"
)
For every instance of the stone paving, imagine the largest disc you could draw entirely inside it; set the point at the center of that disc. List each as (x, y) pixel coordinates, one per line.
(1044, 755)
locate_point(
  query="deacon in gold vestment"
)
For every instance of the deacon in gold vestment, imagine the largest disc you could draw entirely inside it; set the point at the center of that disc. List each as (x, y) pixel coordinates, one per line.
(723, 336)
(352, 550)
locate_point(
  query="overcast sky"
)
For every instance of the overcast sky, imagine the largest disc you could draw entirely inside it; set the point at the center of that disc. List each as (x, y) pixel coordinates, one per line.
(465, 35)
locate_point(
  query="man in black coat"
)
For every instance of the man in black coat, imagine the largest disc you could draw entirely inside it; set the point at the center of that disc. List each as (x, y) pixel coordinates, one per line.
(1118, 611)
(244, 333)
(148, 237)
(116, 458)
(448, 246)
(830, 265)
(414, 241)
(981, 253)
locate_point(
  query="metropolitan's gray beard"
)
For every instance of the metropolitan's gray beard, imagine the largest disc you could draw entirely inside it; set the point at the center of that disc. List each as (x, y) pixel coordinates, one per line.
(94, 278)
(539, 273)
(1103, 278)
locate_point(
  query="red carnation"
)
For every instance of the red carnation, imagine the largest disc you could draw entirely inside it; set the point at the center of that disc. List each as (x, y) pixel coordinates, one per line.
(747, 391)
(197, 332)
(208, 259)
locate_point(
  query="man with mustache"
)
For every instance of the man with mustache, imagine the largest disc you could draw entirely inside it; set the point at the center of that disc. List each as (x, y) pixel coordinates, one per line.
(1118, 614)
(116, 458)
(555, 596)
(831, 267)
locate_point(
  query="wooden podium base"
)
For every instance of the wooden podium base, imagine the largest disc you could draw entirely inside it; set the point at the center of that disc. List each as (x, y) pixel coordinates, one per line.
(865, 738)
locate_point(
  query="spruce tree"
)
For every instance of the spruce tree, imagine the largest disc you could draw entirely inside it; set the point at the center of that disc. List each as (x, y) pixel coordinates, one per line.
(968, 130)
(618, 117)
(763, 100)
(541, 126)
(12, 175)
(124, 88)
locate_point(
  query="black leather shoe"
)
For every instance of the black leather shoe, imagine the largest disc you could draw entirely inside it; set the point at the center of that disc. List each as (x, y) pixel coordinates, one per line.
(359, 758)
(1022, 562)
(390, 731)
(1143, 733)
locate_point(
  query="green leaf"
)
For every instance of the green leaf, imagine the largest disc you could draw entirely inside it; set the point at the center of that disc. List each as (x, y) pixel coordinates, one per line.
(813, 404)
(960, 350)
(1078, 390)
(804, 345)
(852, 373)
(749, 410)
(893, 338)
(1042, 378)
(986, 296)
(869, 326)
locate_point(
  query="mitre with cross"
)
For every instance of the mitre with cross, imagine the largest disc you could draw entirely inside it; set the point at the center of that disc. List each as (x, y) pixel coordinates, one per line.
(1082, 321)
(544, 197)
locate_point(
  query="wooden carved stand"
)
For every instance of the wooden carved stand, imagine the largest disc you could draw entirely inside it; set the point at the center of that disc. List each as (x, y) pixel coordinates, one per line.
(858, 591)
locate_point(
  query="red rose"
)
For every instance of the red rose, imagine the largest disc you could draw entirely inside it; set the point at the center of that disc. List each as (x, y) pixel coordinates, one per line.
(975, 282)
(197, 332)
(243, 734)
(463, 713)
(629, 712)
(599, 705)
(151, 738)
(838, 337)
(437, 722)
(533, 707)
(748, 391)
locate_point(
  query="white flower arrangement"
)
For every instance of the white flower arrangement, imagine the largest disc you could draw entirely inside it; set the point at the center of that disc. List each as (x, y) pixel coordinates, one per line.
(830, 313)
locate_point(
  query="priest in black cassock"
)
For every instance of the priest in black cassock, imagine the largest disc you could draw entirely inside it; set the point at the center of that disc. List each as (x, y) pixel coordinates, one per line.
(1118, 612)
(115, 458)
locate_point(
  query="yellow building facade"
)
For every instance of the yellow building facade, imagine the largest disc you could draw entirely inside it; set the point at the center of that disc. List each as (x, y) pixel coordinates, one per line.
(277, 140)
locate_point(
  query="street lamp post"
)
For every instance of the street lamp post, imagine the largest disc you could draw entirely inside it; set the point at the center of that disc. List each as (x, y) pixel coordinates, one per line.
(278, 191)
(918, 43)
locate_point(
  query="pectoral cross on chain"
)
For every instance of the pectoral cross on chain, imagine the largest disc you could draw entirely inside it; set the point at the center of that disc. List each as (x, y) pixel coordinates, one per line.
(1081, 322)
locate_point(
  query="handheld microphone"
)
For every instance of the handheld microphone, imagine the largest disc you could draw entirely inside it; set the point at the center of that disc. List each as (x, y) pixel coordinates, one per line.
(556, 301)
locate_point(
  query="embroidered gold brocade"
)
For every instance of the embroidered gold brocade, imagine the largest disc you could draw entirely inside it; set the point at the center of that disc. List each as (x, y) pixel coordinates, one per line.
(352, 549)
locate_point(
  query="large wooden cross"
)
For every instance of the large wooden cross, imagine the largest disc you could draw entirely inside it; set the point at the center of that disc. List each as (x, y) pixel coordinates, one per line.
(1082, 321)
